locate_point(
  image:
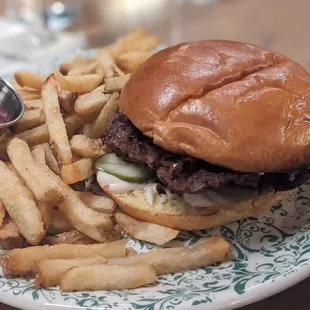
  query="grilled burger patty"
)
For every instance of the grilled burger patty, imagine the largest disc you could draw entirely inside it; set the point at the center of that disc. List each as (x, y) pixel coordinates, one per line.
(186, 174)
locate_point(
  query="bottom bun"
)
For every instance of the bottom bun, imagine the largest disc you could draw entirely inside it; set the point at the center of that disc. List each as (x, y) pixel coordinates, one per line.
(178, 214)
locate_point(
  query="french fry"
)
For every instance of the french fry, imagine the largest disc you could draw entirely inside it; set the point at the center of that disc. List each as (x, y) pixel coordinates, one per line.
(50, 158)
(33, 104)
(136, 34)
(12, 168)
(73, 123)
(20, 261)
(105, 63)
(59, 223)
(85, 147)
(28, 79)
(34, 136)
(115, 83)
(66, 100)
(98, 203)
(21, 207)
(38, 154)
(131, 61)
(96, 129)
(42, 186)
(30, 119)
(145, 231)
(170, 260)
(29, 94)
(70, 237)
(107, 277)
(123, 44)
(78, 84)
(83, 68)
(78, 171)
(50, 272)
(95, 225)
(10, 237)
(144, 44)
(91, 103)
(55, 124)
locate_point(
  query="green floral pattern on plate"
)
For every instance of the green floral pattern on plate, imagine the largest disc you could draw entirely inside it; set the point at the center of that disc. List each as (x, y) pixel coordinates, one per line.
(271, 253)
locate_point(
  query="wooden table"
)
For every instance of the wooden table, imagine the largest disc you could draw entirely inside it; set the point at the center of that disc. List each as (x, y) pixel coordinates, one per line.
(277, 24)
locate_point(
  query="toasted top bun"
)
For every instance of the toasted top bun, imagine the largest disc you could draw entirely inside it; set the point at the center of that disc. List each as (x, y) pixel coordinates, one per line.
(231, 104)
(179, 215)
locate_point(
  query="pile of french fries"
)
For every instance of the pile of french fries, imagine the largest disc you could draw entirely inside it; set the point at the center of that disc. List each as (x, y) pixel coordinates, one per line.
(55, 229)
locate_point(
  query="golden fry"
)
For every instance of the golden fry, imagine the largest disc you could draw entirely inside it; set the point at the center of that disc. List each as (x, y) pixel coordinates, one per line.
(28, 79)
(38, 154)
(55, 123)
(131, 61)
(98, 203)
(170, 260)
(107, 277)
(78, 171)
(115, 83)
(30, 119)
(50, 159)
(86, 147)
(29, 94)
(144, 44)
(95, 225)
(34, 136)
(20, 261)
(91, 103)
(106, 63)
(83, 68)
(50, 272)
(33, 104)
(96, 129)
(145, 231)
(41, 185)
(21, 207)
(79, 84)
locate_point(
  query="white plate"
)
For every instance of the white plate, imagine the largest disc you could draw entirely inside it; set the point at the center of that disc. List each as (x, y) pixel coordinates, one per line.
(272, 253)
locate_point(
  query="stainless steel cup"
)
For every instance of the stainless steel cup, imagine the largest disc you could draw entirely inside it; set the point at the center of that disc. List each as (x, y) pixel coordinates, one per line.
(11, 104)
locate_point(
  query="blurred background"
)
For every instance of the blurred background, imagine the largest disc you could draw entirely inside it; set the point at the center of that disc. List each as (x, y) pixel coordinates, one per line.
(38, 28)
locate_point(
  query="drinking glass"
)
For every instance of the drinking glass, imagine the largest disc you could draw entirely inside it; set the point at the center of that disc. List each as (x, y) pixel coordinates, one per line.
(31, 14)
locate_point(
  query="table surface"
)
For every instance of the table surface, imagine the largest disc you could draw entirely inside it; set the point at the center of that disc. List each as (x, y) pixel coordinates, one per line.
(277, 24)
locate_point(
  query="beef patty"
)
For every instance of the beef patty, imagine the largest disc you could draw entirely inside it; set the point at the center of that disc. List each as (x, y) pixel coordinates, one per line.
(186, 174)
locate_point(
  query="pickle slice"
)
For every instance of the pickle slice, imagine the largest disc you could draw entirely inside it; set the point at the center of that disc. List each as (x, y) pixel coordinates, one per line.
(130, 172)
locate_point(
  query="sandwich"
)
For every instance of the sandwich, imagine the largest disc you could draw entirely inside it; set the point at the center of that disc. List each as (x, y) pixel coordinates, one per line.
(206, 133)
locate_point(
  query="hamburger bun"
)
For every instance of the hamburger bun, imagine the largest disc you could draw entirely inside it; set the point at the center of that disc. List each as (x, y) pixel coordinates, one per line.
(231, 104)
(178, 214)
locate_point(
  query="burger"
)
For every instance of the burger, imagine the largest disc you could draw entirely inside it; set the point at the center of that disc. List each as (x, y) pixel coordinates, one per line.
(206, 133)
